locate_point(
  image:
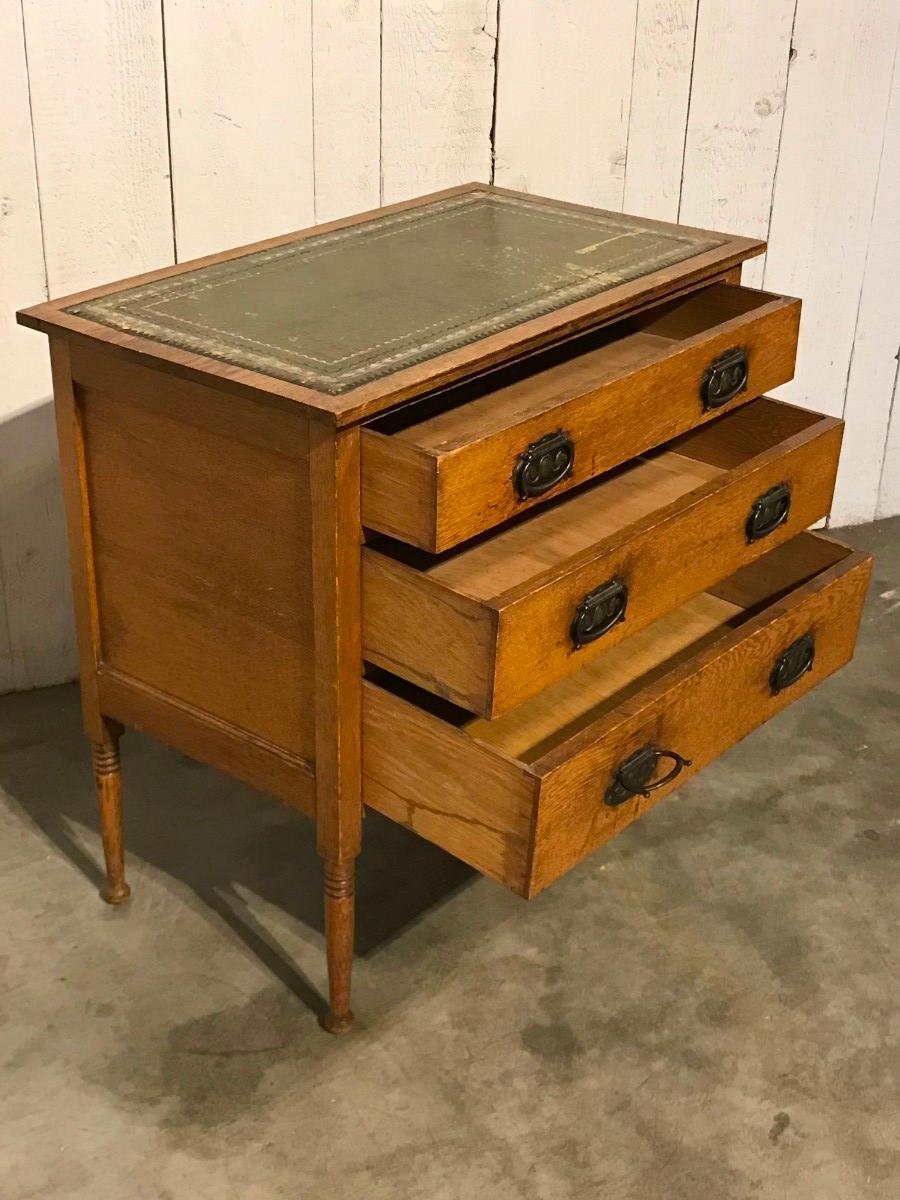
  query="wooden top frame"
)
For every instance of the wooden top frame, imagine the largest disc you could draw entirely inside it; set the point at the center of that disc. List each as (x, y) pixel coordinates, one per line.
(718, 254)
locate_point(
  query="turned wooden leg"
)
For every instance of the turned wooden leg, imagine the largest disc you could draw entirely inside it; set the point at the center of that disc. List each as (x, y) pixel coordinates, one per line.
(339, 942)
(108, 777)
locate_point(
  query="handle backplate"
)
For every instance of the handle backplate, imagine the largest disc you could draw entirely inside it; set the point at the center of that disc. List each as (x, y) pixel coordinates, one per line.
(632, 777)
(724, 378)
(543, 464)
(793, 663)
(598, 612)
(768, 511)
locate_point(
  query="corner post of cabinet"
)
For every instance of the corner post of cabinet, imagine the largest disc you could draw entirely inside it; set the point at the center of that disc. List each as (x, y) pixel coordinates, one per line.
(334, 466)
(76, 497)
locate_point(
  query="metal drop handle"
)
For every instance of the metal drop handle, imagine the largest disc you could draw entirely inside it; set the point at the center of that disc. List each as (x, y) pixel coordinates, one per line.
(632, 777)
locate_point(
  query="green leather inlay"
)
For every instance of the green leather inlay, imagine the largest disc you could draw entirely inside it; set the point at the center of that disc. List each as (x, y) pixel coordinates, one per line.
(336, 310)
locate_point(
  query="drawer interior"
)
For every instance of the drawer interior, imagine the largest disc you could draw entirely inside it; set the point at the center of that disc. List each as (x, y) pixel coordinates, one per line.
(505, 396)
(511, 556)
(546, 722)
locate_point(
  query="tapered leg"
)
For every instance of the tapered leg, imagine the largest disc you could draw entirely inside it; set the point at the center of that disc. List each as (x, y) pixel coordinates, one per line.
(339, 875)
(108, 777)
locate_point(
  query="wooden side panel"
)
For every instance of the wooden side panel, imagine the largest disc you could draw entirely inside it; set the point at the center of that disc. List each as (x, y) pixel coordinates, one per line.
(730, 680)
(241, 127)
(429, 634)
(432, 778)
(202, 594)
(563, 90)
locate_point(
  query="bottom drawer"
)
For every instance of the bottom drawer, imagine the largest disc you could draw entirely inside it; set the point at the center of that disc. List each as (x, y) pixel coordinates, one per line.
(525, 797)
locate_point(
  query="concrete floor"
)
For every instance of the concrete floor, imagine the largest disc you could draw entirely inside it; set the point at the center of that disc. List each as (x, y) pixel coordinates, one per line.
(706, 1009)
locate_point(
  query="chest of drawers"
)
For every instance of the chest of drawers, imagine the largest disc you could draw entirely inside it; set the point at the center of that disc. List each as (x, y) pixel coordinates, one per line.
(472, 510)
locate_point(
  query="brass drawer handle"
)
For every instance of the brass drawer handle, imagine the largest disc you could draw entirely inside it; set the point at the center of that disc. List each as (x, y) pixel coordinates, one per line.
(543, 465)
(632, 776)
(768, 511)
(725, 378)
(598, 612)
(793, 663)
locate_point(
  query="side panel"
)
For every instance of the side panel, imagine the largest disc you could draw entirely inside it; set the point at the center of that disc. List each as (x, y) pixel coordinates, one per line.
(200, 523)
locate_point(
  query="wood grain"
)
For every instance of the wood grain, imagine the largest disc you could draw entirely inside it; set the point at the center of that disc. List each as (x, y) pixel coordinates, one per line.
(655, 370)
(334, 503)
(437, 69)
(532, 784)
(840, 80)
(70, 432)
(568, 137)
(346, 77)
(240, 120)
(108, 781)
(660, 93)
(271, 769)
(200, 594)
(734, 124)
(489, 625)
(425, 774)
(371, 398)
(100, 138)
(871, 462)
(729, 679)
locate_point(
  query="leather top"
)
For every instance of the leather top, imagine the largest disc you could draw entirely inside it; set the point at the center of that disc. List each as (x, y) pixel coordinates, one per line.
(336, 310)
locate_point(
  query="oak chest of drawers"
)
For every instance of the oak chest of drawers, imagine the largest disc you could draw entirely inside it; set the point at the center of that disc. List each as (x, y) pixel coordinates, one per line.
(472, 510)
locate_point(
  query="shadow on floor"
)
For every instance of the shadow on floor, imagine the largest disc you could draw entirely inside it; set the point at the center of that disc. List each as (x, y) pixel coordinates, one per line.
(212, 834)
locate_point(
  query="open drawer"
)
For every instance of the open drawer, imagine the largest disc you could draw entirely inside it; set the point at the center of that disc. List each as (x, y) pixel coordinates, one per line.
(444, 469)
(495, 622)
(526, 797)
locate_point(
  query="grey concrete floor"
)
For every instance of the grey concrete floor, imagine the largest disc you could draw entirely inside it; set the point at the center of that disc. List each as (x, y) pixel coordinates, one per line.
(706, 1009)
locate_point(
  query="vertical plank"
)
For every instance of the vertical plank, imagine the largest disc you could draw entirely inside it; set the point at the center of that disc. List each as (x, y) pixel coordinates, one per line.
(240, 110)
(876, 343)
(35, 625)
(889, 495)
(98, 102)
(663, 61)
(25, 371)
(824, 190)
(437, 94)
(735, 117)
(563, 98)
(346, 55)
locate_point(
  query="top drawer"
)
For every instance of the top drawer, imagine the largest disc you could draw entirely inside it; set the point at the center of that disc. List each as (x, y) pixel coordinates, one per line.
(465, 459)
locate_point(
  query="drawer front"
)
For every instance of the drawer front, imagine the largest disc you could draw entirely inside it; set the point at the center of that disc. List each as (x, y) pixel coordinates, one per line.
(528, 816)
(490, 652)
(442, 480)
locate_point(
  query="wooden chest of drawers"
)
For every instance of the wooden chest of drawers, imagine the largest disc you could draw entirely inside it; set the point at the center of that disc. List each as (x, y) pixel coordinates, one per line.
(472, 510)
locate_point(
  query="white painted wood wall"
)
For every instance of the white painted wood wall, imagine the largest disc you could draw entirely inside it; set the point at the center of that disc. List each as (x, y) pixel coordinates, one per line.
(138, 131)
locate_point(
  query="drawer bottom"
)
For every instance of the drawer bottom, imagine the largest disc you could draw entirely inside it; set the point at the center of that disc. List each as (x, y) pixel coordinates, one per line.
(525, 797)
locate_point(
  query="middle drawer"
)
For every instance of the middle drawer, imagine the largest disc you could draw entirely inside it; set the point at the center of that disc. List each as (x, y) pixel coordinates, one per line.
(492, 624)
